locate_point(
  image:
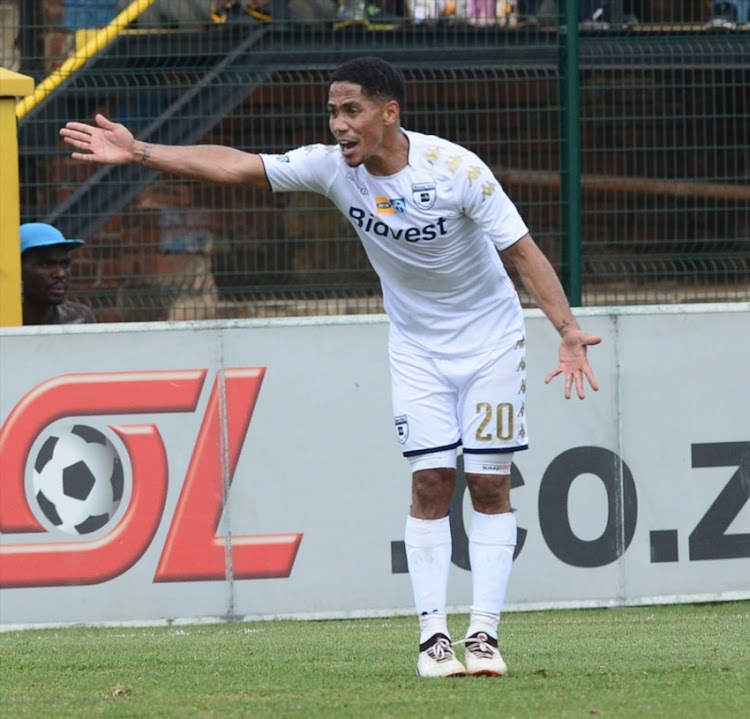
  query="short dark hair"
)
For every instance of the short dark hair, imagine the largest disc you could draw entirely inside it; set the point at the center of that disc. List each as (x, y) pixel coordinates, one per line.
(376, 77)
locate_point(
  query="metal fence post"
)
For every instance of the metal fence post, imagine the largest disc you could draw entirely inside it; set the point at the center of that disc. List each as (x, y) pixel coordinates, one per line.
(570, 149)
(12, 86)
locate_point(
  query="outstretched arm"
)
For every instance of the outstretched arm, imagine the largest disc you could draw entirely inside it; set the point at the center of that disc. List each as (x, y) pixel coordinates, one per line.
(111, 143)
(540, 280)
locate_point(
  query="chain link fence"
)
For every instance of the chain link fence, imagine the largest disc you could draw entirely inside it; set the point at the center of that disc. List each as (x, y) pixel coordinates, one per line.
(664, 124)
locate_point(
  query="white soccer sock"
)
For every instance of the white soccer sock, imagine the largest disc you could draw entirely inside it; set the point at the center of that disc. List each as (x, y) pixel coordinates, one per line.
(428, 554)
(492, 540)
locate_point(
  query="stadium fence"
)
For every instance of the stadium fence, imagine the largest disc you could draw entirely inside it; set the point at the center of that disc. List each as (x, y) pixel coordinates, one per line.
(663, 117)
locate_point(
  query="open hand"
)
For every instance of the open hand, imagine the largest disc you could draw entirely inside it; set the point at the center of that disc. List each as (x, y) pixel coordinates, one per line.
(574, 362)
(106, 142)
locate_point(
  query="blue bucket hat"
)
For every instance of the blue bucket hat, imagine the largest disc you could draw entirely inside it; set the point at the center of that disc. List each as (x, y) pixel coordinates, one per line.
(40, 234)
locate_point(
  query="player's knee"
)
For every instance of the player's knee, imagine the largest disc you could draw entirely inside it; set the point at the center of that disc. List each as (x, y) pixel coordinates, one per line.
(432, 490)
(489, 493)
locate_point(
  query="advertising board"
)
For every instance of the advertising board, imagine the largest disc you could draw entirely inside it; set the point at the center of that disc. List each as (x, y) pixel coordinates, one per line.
(214, 470)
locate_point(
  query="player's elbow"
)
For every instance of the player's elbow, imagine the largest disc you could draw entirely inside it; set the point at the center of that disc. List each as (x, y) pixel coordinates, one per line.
(249, 171)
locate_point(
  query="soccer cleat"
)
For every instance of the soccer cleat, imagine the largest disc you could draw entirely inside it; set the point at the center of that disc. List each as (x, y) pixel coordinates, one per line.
(482, 656)
(437, 659)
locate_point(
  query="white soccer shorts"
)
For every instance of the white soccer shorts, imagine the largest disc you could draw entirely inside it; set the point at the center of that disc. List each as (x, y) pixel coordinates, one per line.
(477, 402)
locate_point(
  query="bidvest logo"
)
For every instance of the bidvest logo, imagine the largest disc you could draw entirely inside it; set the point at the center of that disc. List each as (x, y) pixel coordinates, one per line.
(369, 224)
(192, 550)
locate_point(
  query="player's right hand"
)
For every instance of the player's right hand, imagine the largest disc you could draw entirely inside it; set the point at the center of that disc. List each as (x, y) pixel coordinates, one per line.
(106, 142)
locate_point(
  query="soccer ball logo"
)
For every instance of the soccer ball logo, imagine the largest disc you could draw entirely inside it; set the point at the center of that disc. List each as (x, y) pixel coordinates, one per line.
(78, 479)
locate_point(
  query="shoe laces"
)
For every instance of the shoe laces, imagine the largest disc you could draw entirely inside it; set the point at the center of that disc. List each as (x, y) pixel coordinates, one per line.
(441, 650)
(478, 645)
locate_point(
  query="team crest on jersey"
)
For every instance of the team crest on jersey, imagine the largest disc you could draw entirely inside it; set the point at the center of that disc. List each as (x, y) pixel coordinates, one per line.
(424, 194)
(402, 428)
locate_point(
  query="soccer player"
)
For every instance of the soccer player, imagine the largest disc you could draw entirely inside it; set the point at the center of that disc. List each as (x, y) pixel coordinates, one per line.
(433, 220)
(46, 256)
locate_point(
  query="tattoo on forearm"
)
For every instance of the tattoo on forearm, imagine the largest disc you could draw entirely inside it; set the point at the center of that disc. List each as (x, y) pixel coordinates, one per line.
(145, 154)
(563, 325)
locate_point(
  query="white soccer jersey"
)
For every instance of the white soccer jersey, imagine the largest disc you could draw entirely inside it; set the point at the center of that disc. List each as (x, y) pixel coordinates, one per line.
(431, 232)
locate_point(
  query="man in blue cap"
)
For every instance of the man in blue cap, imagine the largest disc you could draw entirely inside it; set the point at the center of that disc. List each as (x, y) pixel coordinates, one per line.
(46, 256)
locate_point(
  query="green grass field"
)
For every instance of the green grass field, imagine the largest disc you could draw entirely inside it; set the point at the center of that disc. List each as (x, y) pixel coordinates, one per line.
(666, 661)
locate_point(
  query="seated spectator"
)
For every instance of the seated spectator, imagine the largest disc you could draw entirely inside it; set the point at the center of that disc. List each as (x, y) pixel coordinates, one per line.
(367, 11)
(728, 14)
(172, 14)
(592, 14)
(46, 256)
(527, 12)
(421, 11)
(481, 12)
(243, 10)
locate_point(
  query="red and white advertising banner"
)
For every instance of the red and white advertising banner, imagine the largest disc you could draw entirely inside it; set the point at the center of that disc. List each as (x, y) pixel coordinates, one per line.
(213, 470)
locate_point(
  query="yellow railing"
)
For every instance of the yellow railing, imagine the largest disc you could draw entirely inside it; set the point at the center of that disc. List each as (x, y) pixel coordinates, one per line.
(98, 42)
(12, 85)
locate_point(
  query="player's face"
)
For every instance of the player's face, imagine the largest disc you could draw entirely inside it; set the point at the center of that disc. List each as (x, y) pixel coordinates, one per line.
(358, 123)
(45, 274)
